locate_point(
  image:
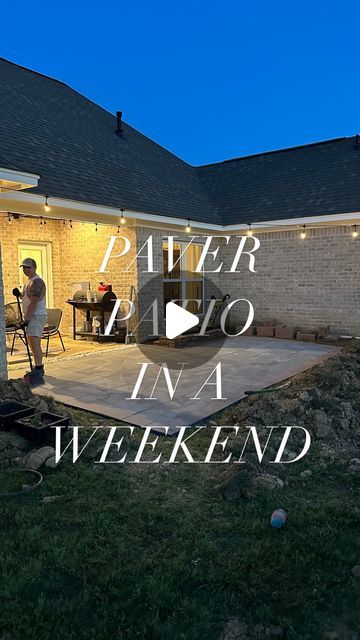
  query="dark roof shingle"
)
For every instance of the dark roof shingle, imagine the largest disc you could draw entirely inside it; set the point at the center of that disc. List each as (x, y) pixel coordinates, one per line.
(49, 129)
(315, 179)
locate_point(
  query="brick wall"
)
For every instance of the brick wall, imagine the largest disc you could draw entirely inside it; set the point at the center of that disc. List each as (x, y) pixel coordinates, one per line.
(77, 255)
(304, 282)
(3, 373)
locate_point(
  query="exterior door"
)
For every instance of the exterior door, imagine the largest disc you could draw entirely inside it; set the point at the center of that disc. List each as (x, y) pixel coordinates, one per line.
(41, 253)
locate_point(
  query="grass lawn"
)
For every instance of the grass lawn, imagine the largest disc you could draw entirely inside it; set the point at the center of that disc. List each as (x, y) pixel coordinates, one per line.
(157, 552)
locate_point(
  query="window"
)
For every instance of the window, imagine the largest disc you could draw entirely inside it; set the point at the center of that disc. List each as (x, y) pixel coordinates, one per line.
(183, 282)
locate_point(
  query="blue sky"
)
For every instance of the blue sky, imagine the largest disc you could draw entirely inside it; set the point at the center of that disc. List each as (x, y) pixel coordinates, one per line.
(207, 80)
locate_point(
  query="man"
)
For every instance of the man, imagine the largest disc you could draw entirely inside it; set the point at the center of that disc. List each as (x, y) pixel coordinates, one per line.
(34, 305)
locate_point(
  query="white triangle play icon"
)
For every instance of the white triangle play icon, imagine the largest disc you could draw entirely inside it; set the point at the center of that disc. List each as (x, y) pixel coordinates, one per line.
(178, 320)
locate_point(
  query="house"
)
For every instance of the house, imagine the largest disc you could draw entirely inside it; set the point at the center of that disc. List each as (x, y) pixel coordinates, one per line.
(71, 174)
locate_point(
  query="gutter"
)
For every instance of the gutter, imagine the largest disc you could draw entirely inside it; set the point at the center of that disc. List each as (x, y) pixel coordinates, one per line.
(93, 212)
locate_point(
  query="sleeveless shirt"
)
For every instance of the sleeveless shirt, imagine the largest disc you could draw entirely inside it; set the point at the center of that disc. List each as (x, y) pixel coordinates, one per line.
(40, 309)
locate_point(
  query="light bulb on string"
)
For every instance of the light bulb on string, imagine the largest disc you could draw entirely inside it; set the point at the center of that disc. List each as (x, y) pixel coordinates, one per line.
(122, 218)
(303, 233)
(46, 205)
(250, 232)
(188, 228)
(355, 232)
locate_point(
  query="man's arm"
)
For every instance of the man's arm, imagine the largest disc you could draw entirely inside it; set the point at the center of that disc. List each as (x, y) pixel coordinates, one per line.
(35, 294)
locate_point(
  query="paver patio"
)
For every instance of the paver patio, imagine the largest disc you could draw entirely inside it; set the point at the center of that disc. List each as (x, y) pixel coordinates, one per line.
(104, 382)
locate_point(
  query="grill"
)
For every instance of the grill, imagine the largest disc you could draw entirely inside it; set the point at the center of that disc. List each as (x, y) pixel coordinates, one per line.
(105, 301)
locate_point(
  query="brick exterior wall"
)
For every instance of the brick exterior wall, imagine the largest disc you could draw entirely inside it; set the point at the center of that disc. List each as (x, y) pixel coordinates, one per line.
(3, 371)
(77, 255)
(307, 282)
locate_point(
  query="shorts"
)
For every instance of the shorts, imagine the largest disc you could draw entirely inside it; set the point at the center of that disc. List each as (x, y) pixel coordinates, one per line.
(36, 325)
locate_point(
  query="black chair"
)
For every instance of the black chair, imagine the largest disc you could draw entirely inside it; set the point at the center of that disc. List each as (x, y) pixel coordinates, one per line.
(12, 320)
(52, 327)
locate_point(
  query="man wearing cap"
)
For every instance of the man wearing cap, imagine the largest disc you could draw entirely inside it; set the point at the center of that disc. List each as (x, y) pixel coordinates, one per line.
(34, 305)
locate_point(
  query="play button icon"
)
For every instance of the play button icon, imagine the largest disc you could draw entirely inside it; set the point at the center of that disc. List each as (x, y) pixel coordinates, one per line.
(178, 320)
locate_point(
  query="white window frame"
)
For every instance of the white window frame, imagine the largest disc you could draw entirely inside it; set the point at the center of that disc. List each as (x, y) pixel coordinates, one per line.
(184, 247)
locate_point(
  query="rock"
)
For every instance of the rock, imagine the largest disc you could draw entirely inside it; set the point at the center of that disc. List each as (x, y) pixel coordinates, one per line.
(327, 452)
(234, 630)
(18, 441)
(50, 462)
(354, 468)
(267, 482)
(42, 405)
(344, 424)
(291, 455)
(304, 396)
(4, 440)
(12, 453)
(322, 423)
(19, 461)
(356, 571)
(305, 474)
(48, 499)
(316, 399)
(355, 462)
(347, 409)
(275, 632)
(37, 458)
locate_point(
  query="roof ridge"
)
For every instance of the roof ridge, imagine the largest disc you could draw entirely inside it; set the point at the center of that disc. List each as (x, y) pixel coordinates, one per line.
(273, 151)
(99, 106)
(37, 73)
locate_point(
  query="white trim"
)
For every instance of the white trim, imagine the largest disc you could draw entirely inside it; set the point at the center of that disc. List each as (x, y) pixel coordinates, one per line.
(23, 177)
(112, 212)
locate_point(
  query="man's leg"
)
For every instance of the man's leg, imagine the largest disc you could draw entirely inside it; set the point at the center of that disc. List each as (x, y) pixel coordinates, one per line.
(35, 346)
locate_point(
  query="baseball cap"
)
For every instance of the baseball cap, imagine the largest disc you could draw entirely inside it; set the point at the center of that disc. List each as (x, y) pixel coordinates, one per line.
(28, 262)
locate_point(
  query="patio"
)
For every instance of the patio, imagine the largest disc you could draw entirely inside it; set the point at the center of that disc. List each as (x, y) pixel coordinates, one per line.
(103, 381)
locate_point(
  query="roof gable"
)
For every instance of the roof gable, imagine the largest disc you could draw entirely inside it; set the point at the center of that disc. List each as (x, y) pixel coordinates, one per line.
(72, 143)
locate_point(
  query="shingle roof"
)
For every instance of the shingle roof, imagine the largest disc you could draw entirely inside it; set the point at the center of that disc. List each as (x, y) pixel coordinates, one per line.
(315, 179)
(49, 129)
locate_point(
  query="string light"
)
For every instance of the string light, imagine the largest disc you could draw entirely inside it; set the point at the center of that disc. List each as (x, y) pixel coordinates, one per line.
(250, 232)
(41, 221)
(355, 232)
(70, 225)
(118, 229)
(47, 208)
(9, 218)
(96, 226)
(122, 219)
(303, 233)
(188, 228)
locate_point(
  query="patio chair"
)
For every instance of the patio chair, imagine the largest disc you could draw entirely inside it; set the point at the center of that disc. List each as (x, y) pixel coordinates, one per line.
(12, 319)
(52, 327)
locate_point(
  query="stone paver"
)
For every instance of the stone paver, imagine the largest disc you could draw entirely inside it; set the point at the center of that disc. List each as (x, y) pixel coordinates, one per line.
(103, 382)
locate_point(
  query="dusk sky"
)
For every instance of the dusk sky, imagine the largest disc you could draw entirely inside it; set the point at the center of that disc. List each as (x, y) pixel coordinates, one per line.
(208, 81)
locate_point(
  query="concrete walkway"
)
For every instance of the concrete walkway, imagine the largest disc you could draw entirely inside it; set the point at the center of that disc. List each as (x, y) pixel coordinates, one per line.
(104, 382)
